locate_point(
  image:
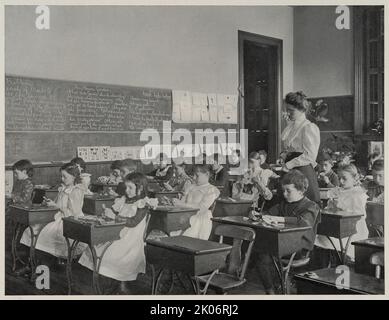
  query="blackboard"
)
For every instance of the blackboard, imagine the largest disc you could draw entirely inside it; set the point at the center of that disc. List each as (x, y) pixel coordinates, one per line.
(52, 105)
(46, 120)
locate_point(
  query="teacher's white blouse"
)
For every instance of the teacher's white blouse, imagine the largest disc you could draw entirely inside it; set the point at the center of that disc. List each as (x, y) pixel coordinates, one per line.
(303, 136)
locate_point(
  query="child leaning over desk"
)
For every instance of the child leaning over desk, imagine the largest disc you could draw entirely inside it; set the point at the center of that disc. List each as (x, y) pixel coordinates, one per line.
(375, 188)
(69, 202)
(199, 195)
(294, 208)
(125, 258)
(350, 198)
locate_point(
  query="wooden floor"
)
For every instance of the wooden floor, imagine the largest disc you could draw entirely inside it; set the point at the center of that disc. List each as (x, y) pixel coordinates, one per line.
(83, 279)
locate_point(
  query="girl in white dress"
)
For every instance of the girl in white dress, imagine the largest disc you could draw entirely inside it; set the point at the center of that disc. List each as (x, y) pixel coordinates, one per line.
(125, 258)
(254, 182)
(350, 198)
(69, 201)
(199, 195)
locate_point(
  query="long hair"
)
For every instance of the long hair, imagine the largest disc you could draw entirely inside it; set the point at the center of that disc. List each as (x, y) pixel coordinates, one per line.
(140, 181)
(74, 170)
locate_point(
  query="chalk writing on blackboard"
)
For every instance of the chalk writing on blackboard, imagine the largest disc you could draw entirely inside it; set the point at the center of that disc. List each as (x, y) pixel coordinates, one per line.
(53, 105)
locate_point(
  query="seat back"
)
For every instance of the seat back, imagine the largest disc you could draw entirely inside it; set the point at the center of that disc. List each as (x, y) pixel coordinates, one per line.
(375, 217)
(236, 265)
(148, 216)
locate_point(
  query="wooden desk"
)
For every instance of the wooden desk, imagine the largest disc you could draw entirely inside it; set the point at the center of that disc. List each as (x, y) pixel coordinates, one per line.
(326, 283)
(102, 187)
(276, 240)
(33, 217)
(338, 225)
(170, 218)
(363, 250)
(161, 194)
(188, 255)
(92, 234)
(94, 204)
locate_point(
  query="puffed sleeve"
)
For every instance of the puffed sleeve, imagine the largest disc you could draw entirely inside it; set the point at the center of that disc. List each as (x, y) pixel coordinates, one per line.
(75, 202)
(208, 199)
(310, 145)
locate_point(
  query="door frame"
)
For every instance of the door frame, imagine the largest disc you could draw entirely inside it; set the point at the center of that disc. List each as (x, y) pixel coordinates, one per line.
(275, 119)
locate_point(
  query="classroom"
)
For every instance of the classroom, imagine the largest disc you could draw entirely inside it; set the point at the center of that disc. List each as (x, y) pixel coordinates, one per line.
(194, 150)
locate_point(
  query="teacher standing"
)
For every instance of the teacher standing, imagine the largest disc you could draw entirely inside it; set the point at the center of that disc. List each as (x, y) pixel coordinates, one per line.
(301, 141)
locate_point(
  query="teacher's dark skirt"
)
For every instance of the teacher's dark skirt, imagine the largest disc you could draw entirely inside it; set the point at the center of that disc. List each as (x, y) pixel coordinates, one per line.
(313, 192)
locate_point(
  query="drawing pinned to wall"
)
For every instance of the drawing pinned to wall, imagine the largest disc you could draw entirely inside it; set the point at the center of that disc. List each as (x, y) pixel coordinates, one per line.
(116, 153)
(213, 107)
(200, 107)
(204, 108)
(105, 153)
(82, 152)
(181, 106)
(227, 108)
(94, 154)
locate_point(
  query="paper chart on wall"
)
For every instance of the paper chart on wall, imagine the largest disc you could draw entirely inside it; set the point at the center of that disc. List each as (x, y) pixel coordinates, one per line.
(200, 107)
(227, 108)
(213, 107)
(182, 106)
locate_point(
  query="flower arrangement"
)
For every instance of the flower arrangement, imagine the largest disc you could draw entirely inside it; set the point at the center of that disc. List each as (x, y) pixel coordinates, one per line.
(377, 127)
(339, 148)
(319, 111)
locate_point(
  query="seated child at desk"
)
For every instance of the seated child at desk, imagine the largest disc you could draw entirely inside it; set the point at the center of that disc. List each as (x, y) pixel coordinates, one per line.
(125, 258)
(164, 171)
(23, 186)
(327, 177)
(199, 195)
(180, 181)
(126, 167)
(375, 188)
(262, 159)
(351, 198)
(219, 173)
(254, 182)
(234, 159)
(69, 203)
(85, 177)
(295, 208)
(114, 176)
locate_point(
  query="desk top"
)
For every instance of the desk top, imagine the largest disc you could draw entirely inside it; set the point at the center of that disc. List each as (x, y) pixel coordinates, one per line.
(244, 221)
(189, 245)
(233, 201)
(377, 242)
(359, 283)
(99, 197)
(172, 209)
(94, 221)
(34, 208)
(340, 214)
